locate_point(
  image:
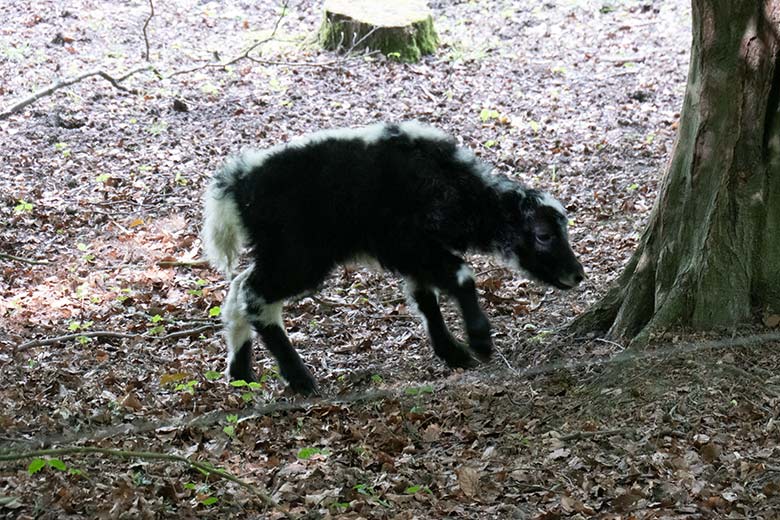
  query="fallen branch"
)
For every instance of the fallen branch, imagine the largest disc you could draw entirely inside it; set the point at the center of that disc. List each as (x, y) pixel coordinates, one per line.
(207, 469)
(68, 337)
(243, 55)
(115, 335)
(25, 260)
(201, 420)
(66, 83)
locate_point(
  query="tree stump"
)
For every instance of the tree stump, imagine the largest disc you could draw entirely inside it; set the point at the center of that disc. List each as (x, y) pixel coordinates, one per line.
(401, 29)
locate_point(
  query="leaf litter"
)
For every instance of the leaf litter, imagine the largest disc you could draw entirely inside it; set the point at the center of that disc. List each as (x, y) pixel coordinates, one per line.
(579, 98)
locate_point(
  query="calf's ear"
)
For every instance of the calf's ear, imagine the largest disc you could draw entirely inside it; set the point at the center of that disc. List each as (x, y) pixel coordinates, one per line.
(511, 201)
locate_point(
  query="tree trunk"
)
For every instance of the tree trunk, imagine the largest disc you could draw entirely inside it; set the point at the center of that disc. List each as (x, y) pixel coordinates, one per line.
(710, 257)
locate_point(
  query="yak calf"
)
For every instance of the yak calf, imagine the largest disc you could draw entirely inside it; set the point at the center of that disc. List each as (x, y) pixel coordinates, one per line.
(403, 194)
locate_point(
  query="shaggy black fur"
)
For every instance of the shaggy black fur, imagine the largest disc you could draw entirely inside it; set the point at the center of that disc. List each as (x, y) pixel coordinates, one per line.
(404, 195)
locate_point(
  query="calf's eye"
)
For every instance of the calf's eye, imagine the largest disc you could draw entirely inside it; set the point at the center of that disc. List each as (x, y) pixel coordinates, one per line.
(544, 238)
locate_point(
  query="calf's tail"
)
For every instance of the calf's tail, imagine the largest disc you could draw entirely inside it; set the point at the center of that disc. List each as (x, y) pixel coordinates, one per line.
(223, 231)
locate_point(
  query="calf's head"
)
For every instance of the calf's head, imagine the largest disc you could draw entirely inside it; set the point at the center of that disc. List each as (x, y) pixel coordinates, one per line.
(538, 240)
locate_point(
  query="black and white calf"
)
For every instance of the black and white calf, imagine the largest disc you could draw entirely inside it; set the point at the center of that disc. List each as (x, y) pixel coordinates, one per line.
(403, 194)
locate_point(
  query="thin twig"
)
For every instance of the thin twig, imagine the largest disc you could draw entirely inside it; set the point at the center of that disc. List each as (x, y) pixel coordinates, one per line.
(25, 260)
(588, 435)
(243, 55)
(183, 263)
(146, 24)
(206, 468)
(506, 361)
(65, 83)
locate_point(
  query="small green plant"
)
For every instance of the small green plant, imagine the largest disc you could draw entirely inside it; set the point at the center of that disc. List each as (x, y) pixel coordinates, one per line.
(199, 283)
(251, 386)
(368, 491)
(158, 127)
(156, 326)
(63, 149)
(213, 375)
(420, 390)
(202, 492)
(188, 387)
(413, 490)
(230, 427)
(559, 70)
(542, 336)
(75, 326)
(307, 453)
(535, 126)
(103, 177)
(486, 115)
(607, 8)
(633, 187)
(123, 294)
(23, 206)
(490, 143)
(180, 179)
(87, 255)
(209, 89)
(376, 379)
(215, 311)
(38, 464)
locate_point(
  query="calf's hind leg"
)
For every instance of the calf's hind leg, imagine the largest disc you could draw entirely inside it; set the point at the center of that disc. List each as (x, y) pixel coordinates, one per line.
(247, 308)
(238, 330)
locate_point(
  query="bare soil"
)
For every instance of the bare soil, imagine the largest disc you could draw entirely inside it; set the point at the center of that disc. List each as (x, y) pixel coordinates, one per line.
(580, 98)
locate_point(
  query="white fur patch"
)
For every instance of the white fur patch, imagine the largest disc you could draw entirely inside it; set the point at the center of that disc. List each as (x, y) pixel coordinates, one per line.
(548, 200)
(464, 155)
(464, 274)
(271, 314)
(237, 328)
(223, 231)
(368, 134)
(255, 158)
(418, 130)
(409, 287)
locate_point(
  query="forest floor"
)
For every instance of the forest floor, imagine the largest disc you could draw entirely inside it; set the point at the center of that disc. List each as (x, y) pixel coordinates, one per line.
(580, 98)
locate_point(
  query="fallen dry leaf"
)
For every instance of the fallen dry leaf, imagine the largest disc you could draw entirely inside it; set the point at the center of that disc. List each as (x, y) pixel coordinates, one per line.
(468, 479)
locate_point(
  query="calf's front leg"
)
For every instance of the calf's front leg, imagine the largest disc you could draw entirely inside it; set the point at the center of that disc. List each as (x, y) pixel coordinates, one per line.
(449, 349)
(450, 273)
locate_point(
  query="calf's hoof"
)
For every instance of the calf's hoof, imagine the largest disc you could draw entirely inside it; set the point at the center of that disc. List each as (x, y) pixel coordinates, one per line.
(238, 371)
(482, 348)
(455, 354)
(301, 382)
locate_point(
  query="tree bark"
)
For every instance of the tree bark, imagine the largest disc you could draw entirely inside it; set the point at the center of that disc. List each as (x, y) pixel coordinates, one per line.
(710, 256)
